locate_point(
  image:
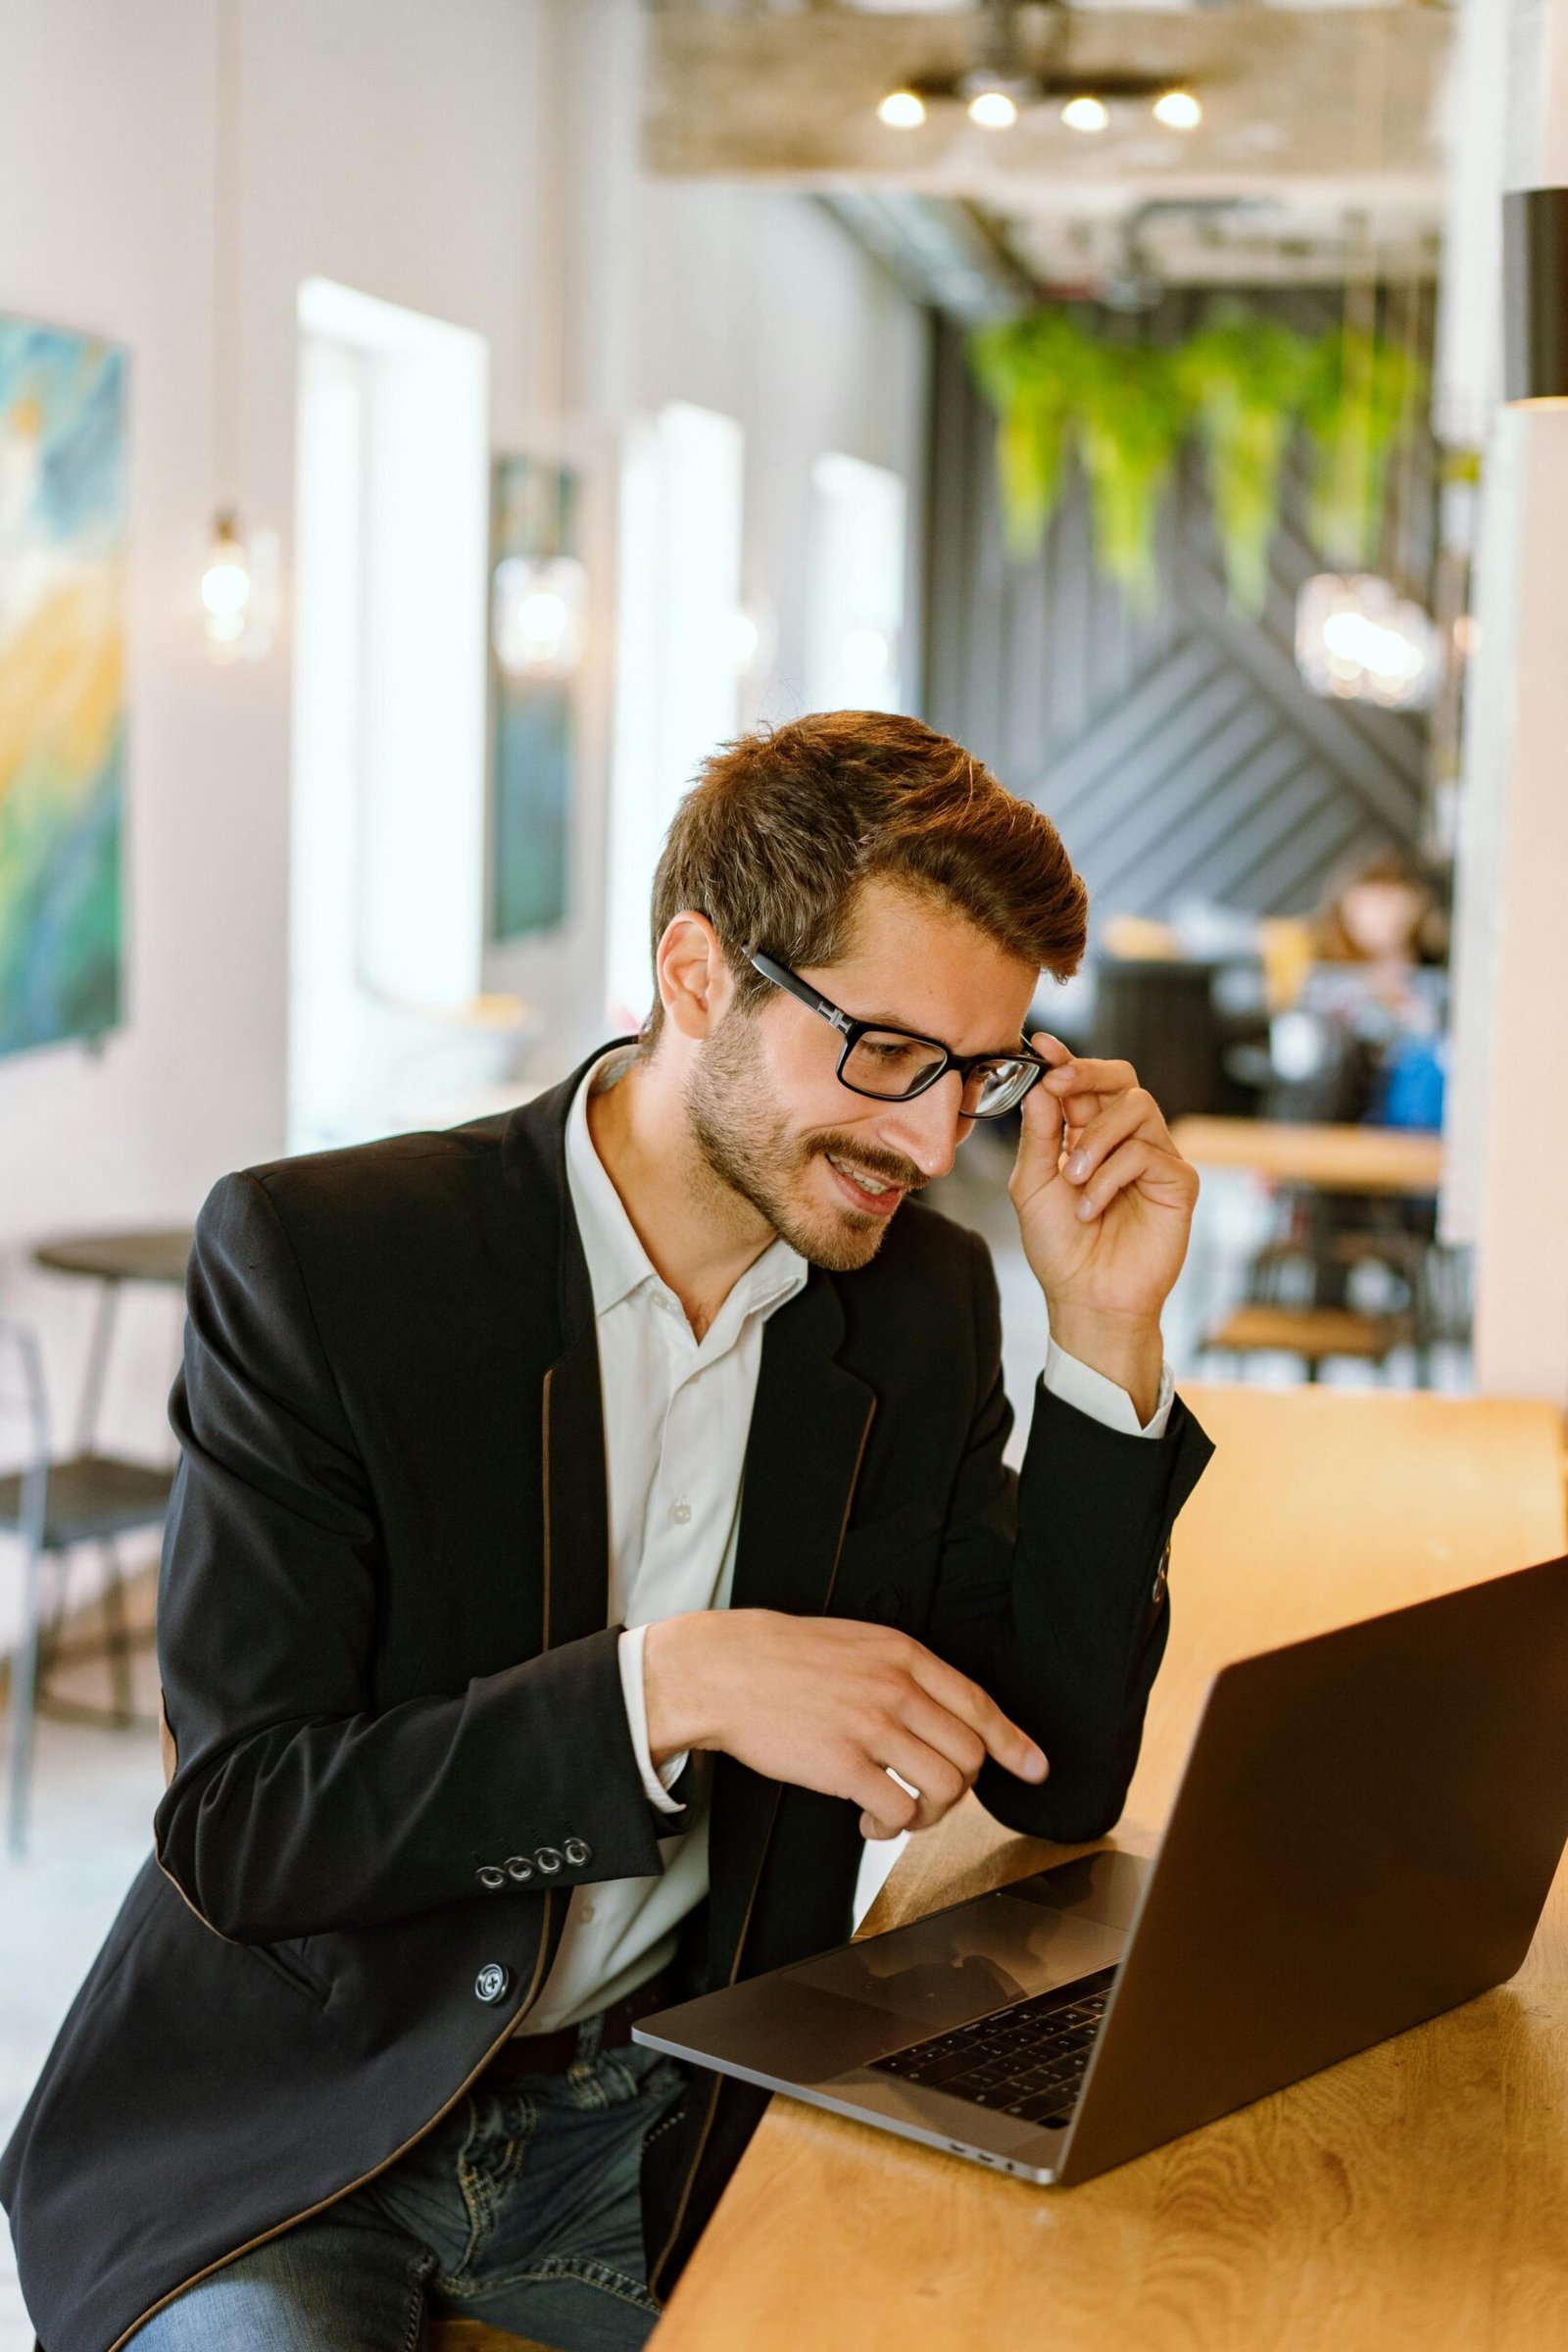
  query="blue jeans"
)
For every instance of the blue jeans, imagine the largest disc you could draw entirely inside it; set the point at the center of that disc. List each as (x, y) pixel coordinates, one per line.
(520, 2208)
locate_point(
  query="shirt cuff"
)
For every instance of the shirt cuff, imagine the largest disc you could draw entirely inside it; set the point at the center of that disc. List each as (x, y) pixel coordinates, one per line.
(658, 1780)
(1079, 1383)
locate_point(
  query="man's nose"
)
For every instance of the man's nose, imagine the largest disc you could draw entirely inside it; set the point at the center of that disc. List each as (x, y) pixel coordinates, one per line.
(929, 1129)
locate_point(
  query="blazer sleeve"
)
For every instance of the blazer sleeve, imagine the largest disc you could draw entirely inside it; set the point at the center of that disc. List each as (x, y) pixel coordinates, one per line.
(1052, 1590)
(296, 1804)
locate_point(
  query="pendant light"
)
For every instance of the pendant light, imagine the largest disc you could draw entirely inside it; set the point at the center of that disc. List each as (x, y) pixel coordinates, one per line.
(239, 575)
(1360, 636)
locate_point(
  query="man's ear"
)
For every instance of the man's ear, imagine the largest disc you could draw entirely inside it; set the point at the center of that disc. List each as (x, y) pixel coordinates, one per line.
(692, 975)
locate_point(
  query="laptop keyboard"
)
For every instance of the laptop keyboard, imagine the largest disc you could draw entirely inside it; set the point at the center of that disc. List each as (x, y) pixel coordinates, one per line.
(1029, 2060)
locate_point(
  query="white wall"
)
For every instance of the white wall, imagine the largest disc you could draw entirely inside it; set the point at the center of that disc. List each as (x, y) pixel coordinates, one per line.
(742, 300)
(475, 162)
(1509, 1115)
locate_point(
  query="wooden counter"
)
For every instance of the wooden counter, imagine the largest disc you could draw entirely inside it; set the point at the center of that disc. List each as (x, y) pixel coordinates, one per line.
(1412, 2199)
(1332, 1160)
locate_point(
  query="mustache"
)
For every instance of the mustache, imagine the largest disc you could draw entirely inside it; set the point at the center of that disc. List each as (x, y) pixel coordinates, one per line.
(886, 1164)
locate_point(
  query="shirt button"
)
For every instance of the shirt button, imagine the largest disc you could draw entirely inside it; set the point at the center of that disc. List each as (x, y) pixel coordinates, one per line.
(585, 1913)
(681, 1513)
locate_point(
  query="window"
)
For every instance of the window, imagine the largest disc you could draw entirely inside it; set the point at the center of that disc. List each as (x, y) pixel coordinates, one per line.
(391, 565)
(855, 615)
(678, 679)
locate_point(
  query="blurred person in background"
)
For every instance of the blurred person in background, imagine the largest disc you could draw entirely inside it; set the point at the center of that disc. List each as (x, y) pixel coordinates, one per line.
(1365, 1039)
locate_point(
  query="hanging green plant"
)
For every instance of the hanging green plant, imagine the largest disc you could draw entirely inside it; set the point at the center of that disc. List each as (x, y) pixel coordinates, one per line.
(1031, 370)
(1129, 435)
(1361, 394)
(1242, 381)
(1243, 377)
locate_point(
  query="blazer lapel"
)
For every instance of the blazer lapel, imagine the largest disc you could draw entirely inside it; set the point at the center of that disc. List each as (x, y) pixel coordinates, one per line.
(576, 1513)
(575, 1531)
(809, 1432)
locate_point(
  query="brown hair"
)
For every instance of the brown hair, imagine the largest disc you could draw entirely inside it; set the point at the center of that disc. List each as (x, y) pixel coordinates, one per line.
(1429, 934)
(780, 830)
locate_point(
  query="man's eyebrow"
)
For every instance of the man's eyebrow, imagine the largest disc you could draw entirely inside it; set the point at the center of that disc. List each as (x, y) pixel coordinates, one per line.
(887, 1020)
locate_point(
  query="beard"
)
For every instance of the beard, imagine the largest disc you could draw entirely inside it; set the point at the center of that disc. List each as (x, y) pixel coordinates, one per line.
(749, 1147)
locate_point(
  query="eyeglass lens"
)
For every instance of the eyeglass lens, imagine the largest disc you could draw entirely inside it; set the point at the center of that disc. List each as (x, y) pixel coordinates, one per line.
(895, 1068)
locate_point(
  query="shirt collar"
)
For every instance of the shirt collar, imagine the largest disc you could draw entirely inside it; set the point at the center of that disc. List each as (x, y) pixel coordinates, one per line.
(618, 1262)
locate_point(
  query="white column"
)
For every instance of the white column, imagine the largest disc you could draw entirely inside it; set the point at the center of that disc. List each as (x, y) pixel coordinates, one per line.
(1508, 1190)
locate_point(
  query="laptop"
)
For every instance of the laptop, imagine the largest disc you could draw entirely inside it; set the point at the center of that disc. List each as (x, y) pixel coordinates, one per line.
(1364, 1835)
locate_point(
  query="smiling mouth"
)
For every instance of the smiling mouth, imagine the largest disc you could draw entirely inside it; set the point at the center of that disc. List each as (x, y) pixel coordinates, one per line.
(872, 1192)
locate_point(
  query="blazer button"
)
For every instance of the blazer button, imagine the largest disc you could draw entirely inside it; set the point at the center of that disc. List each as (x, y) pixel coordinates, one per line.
(886, 1604)
(489, 1876)
(493, 1982)
(577, 1852)
(547, 1860)
(520, 1868)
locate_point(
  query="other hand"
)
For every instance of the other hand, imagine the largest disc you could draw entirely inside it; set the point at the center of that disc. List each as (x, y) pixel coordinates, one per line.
(828, 1703)
(1105, 1200)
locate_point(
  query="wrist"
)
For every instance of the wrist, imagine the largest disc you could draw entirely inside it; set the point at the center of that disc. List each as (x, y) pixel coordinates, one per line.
(1129, 1352)
(672, 1685)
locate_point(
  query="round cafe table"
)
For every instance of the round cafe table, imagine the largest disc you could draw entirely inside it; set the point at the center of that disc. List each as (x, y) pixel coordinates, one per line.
(111, 1259)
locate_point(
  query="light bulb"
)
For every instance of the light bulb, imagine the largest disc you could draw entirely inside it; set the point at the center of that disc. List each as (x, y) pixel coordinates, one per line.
(1086, 113)
(1178, 110)
(993, 109)
(1357, 640)
(538, 615)
(542, 619)
(901, 110)
(225, 586)
(746, 640)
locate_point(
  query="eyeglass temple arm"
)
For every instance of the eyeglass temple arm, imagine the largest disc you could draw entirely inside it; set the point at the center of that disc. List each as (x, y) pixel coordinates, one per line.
(782, 977)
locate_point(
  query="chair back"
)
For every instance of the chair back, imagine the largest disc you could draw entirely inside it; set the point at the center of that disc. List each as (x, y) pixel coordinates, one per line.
(24, 1405)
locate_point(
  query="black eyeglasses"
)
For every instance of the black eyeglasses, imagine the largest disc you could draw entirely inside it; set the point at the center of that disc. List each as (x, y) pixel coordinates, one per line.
(894, 1065)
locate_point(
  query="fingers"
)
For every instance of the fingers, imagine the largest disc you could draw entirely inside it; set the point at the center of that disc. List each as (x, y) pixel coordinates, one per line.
(1013, 1748)
(953, 1738)
(886, 1809)
(938, 1783)
(1163, 1175)
(1134, 1113)
(1084, 1087)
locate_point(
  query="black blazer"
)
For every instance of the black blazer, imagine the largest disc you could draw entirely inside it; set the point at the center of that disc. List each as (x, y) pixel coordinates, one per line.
(388, 1674)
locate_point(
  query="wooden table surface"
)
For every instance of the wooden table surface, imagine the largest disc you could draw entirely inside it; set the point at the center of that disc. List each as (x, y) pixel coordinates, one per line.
(1335, 1159)
(157, 1257)
(1412, 2199)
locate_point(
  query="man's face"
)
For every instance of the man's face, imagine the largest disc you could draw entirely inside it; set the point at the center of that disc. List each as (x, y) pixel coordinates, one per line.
(828, 1168)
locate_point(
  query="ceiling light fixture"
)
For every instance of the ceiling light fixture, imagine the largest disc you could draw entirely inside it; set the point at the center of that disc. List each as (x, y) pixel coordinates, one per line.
(1086, 113)
(994, 110)
(1358, 640)
(1178, 110)
(901, 110)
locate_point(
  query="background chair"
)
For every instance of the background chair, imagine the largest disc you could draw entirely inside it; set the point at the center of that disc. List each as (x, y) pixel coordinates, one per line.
(50, 1508)
(1297, 1301)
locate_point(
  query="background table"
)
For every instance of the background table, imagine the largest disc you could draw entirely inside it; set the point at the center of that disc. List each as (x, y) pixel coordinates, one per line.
(1334, 1160)
(111, 1259)
(1411, 2199)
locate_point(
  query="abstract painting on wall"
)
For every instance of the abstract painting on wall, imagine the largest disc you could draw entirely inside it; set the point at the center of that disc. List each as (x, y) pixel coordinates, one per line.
(62, 669)
(537, 596)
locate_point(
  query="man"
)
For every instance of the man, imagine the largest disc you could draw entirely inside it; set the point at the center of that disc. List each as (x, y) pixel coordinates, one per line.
(590, 1524)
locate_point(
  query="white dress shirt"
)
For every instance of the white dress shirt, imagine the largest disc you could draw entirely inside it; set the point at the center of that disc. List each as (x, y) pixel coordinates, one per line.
(677, 1414)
